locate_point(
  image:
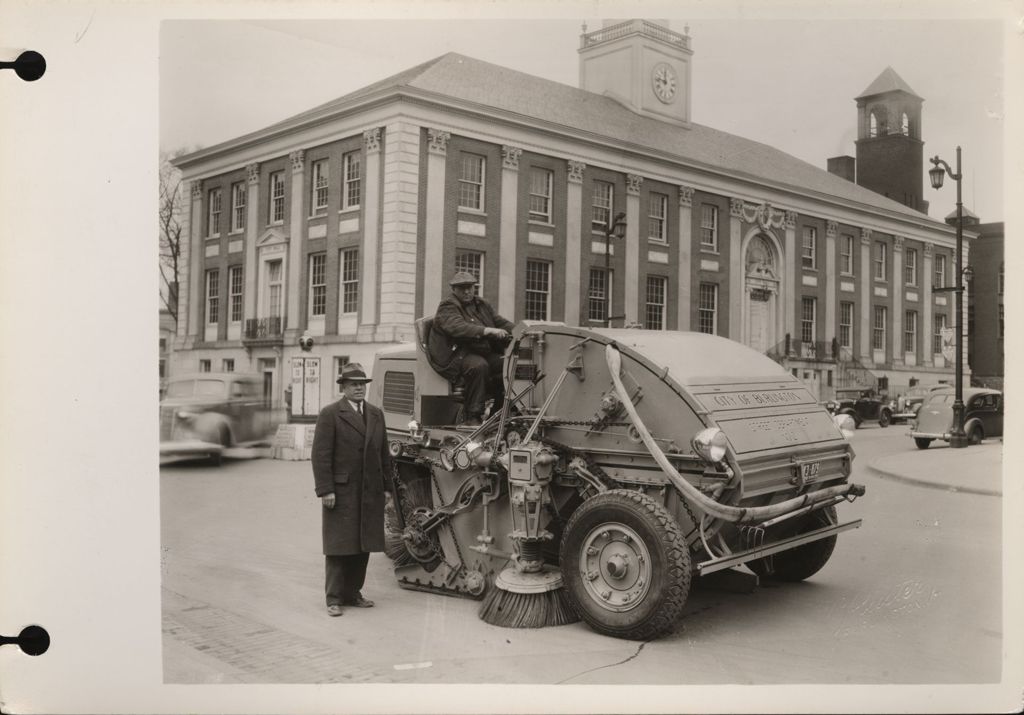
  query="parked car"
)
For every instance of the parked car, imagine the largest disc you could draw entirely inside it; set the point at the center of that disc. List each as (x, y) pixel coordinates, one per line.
(862, 405)
(904, 408)
(205, 413)
(983, 416)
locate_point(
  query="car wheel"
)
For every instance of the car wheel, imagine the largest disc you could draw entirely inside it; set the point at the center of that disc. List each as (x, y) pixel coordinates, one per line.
(975, 435)
(922, 442)
(803, 561)
(626, 565)
(885, 418)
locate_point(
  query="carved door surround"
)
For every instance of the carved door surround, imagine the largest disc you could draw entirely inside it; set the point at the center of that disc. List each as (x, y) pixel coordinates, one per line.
(762, 290)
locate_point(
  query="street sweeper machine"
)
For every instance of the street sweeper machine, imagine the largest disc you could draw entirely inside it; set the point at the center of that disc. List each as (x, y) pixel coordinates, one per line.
(621, 465)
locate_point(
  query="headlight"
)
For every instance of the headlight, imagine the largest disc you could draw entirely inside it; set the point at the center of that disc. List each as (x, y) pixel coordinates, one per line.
(711, 444)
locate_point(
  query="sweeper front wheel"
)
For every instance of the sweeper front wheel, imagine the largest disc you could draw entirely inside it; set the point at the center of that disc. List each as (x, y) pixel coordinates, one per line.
(626, 565)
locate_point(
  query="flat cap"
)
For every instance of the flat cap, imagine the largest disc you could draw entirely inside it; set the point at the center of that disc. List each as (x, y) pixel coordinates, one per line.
(463, 278)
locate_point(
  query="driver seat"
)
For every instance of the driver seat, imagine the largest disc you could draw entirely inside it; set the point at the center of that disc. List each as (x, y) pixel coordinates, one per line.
(424, 326)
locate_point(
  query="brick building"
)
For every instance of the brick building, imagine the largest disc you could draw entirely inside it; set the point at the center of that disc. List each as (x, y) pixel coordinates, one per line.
(346, 221)
(985, 324)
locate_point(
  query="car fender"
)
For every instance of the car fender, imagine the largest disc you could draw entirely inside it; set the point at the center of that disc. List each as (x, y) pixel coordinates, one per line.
(208, 426)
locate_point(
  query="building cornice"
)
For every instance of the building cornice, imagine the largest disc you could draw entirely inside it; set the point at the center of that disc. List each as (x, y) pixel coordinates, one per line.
(459, 116)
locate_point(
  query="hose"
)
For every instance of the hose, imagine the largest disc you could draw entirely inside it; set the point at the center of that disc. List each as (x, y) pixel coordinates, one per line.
(735, 514)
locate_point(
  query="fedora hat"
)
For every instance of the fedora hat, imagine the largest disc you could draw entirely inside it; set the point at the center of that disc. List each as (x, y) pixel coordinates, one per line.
(353, 372)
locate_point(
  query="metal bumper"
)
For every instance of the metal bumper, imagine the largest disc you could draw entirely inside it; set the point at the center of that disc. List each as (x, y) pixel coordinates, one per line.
(187, 449)
(739, 557)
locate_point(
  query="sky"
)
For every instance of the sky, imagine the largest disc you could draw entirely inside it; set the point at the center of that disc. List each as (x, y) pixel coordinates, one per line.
(790, 83)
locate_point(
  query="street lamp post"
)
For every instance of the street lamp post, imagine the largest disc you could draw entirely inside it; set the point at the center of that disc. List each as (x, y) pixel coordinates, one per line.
(616, 228)
(957, 438)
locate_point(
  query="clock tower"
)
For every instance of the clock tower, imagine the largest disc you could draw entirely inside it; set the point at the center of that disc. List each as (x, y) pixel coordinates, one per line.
(642, 64)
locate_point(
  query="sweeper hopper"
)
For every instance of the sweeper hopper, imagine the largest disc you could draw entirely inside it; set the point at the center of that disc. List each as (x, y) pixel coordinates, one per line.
(622, 464)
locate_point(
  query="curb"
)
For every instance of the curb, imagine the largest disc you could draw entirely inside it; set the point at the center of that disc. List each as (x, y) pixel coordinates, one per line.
(932, 485)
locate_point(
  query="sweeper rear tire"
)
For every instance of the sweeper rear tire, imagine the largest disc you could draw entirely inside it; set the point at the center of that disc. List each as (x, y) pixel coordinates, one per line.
(803, 561)
(626, 565)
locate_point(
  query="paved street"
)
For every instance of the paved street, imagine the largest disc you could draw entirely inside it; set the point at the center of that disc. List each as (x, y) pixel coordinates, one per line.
(901, 601)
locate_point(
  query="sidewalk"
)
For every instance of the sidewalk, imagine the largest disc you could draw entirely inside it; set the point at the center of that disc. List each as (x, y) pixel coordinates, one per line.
(976, 469)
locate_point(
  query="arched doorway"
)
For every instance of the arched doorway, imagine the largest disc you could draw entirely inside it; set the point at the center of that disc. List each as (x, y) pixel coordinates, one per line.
(761, 294)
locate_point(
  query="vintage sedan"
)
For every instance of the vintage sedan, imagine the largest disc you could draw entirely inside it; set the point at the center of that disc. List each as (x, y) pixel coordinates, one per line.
(904, 408)
(983, 416)
(861, 405)
(203, 414)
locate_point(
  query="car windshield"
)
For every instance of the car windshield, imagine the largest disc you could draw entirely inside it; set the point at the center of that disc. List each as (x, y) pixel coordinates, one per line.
(181, 388)
(209, 388)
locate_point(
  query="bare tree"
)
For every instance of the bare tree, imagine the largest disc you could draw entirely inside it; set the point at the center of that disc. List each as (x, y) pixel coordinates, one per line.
(173, 237)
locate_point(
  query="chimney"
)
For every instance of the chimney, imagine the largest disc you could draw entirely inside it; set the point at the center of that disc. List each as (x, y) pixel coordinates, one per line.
(844, 167)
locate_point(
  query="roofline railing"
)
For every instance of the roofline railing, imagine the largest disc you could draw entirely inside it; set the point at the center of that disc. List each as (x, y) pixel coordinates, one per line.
(614, 32)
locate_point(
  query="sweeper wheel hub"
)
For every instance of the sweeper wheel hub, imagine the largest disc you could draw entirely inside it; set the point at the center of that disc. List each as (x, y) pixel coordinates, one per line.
(549, 579)
(616, 566)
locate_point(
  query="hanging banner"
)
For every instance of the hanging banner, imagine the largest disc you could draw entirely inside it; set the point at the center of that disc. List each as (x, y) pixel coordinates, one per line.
(948, 336)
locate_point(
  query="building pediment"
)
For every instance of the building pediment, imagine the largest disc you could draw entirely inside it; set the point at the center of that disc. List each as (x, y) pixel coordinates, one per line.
(270, 237)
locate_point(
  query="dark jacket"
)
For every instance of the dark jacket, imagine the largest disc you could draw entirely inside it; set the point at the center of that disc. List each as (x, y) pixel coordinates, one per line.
(459, 329)
(350, 458)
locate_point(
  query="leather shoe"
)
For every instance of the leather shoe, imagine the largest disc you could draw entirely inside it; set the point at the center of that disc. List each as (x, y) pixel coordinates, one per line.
(334, 609)
(360, 602)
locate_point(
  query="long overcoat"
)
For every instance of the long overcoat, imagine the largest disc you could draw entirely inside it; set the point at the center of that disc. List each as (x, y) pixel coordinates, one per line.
(350, 458)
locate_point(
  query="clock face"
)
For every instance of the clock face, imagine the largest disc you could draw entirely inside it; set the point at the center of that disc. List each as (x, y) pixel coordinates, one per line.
(664, 81)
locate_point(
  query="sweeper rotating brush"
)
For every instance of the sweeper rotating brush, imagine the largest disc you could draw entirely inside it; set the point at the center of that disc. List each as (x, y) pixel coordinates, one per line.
(528, 600)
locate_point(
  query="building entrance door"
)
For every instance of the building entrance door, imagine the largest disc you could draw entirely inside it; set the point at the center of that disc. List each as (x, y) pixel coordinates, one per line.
(759, 319)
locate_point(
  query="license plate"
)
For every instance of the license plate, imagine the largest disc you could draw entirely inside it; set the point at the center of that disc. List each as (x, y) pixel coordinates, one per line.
(809, 470)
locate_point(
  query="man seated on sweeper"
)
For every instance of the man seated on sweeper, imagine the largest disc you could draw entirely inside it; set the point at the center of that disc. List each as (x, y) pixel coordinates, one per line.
(475, 339)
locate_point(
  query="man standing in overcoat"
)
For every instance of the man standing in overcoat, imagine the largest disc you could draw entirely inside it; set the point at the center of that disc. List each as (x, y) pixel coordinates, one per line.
(352, 472)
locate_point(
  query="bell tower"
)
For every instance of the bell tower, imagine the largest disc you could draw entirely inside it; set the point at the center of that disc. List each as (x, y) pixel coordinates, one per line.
(642, 64)
(889, 147)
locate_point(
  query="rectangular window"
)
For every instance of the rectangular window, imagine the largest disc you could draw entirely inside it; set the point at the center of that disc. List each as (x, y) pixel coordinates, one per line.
(597, 294)
(1002, 278)
(709, 227)
(275, 278)
(809, 255)
(212, 296)
(846, 325)
(940, 271)
(654, 317)
(317, 285)
(1002, 325)
(538, 290)
(205, 365)
(471, 182)
(213, 213)
(808, 314)
(351, 167)
(541, 181)
(602, 206)
(846, 254)
(656, 219)
(910, 267)
(349, 280)
(707, 310)
(277, 197)
(881, 260)
(910, 332)
(340, 361)
(319, 186)
(235, 293)
(940, 325)
(227, 365)
(237, 207)
(471, 262)
(878, 328)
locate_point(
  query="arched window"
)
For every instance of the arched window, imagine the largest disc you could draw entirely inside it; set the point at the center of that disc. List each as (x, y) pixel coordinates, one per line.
(872, 125)
(905, 125)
